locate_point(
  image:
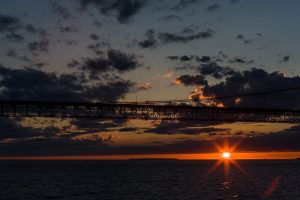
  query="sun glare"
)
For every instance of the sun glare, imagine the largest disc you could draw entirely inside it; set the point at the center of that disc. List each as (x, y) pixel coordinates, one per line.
(226, 155)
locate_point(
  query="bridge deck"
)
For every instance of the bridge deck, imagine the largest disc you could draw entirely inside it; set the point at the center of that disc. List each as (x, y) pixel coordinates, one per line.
(144, 111)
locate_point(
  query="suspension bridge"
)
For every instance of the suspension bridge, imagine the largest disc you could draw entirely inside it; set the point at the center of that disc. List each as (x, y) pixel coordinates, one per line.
(163, 110)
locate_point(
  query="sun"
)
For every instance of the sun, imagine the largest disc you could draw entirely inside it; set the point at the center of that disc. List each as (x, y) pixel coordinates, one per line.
(226, 155)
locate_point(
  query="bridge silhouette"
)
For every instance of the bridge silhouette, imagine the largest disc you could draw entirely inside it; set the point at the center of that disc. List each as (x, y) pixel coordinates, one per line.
(158, 110)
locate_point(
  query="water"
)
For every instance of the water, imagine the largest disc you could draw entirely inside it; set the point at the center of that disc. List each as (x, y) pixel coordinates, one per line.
(149, 180)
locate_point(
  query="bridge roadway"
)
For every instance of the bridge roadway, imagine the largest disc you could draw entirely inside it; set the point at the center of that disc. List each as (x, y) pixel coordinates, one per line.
(145, 111)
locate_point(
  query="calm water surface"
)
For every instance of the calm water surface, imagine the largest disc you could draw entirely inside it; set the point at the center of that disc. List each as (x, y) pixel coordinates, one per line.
(141, 180)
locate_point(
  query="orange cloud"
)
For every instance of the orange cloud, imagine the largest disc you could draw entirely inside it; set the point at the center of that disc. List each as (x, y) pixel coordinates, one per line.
(145, 86)
(169, 74)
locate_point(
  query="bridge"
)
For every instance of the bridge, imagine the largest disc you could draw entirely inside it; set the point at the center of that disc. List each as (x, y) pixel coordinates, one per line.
(145, 111)
(275, 110)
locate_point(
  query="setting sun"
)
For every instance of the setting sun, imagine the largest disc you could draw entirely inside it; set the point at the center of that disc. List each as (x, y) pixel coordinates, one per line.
(226, 155)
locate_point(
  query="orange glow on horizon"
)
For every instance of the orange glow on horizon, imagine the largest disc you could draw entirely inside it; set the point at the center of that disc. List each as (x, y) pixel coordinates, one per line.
(198, 156)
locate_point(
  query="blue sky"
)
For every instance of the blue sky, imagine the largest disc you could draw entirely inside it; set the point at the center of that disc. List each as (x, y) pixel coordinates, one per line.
(274, 20)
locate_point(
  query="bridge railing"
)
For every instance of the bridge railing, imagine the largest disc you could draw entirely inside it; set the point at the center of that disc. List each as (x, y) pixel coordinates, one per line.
(145, 111)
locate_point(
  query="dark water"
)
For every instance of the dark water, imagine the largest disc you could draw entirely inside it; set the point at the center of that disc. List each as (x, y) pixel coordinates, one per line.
(122, 180)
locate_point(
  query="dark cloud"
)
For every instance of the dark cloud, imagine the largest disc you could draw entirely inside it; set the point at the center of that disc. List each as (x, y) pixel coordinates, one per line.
(14, 37)
(31, 29)
(115, 60)
(285, 59)
(203, 59)
(188, 31)
(184, 127)
(111, 91)
(73, 63)
(241, 61)
(25, 58)
(92, 142)
(173, 57)
(9, 23)
(12, 128)
(213, 7)
(60, 10)
(68, 29)
(96, 66)
(240, 37)
(209, 65)
(11, 53)
(125, 9)
(89, 126)
(171, 37)
(31, 84)
(215, 70)
(96, 48)
(222, 54)
(122, 61)
(286, 140)
(170, 17)
(46, 142)
(254, 81)
(128, 129)
(40, 64)
(59, 147)
(154, 39)
(182, 4)
(184, 68)
(10, 26)
(185, 58)
(189, 80)
(150, 42)
(247, 40)
(56, 146)
(39, 46)
(94, 36)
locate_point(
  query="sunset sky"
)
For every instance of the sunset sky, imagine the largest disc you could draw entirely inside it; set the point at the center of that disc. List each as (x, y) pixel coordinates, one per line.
(141, 50)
